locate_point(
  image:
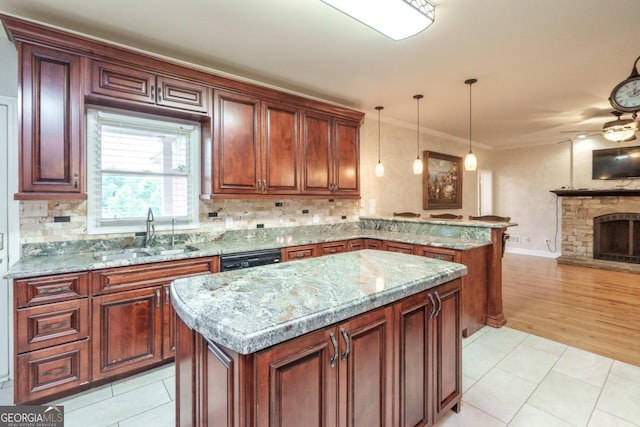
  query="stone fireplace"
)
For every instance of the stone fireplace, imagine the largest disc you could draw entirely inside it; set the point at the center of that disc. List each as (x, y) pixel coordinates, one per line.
(616, 237)
(601, 228)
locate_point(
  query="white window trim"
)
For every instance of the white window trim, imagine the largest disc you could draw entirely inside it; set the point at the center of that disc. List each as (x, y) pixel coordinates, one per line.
(92, 223)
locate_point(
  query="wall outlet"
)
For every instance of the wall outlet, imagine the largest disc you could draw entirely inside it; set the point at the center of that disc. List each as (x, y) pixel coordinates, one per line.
(514, 239)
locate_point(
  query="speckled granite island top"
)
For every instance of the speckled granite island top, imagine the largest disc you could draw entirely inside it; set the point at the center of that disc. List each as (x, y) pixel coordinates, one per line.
(252, 309)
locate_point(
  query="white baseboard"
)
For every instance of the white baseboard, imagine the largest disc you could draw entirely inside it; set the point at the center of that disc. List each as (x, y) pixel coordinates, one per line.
(532, 252)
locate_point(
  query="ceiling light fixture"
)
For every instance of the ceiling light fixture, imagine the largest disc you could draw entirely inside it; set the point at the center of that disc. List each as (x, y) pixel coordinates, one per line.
(417, 163)
(470, 160)
(620, 130)
(379, 167)
(396, 19)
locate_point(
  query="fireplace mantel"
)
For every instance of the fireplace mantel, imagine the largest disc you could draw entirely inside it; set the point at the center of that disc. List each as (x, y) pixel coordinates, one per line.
(584, 192)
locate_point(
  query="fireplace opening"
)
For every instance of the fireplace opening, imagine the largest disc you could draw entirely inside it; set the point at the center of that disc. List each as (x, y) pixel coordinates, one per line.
(616, 237)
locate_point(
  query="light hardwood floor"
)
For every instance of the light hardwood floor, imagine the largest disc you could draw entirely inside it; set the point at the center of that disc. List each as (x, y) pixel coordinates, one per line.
(592, 309)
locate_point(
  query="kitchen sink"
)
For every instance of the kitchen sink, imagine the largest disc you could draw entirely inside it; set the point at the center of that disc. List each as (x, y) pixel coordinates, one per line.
(174, 251)
(122, 255)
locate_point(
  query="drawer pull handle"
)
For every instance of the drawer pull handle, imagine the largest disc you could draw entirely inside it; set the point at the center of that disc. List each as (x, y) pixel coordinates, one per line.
(54, 325)
(347, 348)
(439, 304)
(333, 250)
(433, 307)
(54, 290)
(300, 255)
(55, 371)
(334, 342)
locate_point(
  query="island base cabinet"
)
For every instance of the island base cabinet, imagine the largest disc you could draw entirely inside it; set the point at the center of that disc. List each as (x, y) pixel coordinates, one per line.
(399, 365)
(428, 354)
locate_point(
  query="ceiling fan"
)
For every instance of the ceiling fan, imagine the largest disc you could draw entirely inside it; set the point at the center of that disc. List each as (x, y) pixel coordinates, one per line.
(619, 130)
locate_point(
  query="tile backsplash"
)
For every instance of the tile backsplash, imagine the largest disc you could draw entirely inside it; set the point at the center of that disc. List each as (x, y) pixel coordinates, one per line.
(40, 221)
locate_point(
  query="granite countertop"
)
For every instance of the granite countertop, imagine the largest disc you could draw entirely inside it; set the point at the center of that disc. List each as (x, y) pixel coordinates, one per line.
(228, 243)
(252, 309)
(449, 222)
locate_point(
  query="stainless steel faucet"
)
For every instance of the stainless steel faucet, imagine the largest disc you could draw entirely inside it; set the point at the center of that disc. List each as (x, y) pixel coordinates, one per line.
(173, 232)
(150, 234)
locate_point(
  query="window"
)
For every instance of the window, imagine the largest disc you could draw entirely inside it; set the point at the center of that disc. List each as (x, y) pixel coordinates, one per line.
(138, 162)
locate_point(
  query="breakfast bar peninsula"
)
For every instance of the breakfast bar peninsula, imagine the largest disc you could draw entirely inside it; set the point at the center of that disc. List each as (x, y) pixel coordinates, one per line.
(366, 338)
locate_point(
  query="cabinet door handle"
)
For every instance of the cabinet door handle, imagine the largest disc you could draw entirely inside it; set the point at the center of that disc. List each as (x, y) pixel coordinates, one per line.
(166, 296)
(153, 92)
(55, 371)
(347, 348)
(159, 88)
(54, 325)
(157, 297)
(264, 185)
(54, 290)
(439, 304)
(75, 180)
(334, 342)
(259, 183)
(433, 307)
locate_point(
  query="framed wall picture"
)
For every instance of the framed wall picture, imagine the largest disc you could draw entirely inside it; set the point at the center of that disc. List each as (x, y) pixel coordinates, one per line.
(441, 181)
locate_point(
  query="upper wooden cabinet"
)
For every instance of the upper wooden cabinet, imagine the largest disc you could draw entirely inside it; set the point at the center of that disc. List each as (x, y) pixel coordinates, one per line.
(331, 156)
(145, 86)
(255, 146)
(51, 135)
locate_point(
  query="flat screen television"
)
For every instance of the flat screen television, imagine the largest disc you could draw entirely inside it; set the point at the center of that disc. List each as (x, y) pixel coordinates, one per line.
(616, 163)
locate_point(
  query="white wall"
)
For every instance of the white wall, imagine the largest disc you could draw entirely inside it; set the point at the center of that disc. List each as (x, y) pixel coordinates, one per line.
(400, 190)
(9, 68)
(523, 179)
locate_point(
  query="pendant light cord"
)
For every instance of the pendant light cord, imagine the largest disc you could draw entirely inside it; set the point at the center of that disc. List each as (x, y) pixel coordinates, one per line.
(418, 98)
(470, 82)
(379, 108)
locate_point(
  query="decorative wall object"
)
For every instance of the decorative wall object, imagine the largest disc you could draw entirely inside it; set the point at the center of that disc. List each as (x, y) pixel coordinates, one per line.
(441, 181)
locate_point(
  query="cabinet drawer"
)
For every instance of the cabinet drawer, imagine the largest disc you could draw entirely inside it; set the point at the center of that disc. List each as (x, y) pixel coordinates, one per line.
(122, 82)
(437, 254)
(142, 276)
(298, 252)
(372, 244)
(46, 372)
(181, 94)
(397, 247)
(46, 289)
(333, 248)
(52, 324)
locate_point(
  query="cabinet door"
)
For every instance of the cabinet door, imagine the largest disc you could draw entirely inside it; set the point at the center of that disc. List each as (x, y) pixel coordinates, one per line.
(181, 94)
(122, 82)
(296, 382)
(280, 149)
(318, 164)
(414, 360)
(168, 325)
(346, 158)
(236, 143)
(397, 247)
(51, 157)
(366, 370)
(127, 331)
(447, 348)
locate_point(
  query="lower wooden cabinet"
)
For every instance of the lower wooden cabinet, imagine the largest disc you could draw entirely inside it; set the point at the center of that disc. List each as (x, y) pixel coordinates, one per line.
(428, 355)
(298, 381)
(399, 365)
(74, 329)
(127, 331)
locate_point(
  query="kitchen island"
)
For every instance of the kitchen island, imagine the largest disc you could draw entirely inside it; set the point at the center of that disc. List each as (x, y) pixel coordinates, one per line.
(359, 338)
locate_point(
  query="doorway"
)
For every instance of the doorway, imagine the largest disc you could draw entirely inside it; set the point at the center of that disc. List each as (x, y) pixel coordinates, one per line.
(9, 226)
(485, 192)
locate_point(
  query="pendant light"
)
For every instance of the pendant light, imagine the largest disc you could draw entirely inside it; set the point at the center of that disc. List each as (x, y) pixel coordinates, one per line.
(470, 160)
(417, 163)
(379, 167)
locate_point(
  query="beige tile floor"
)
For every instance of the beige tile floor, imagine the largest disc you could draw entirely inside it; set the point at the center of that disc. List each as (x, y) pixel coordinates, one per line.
(510, 378)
